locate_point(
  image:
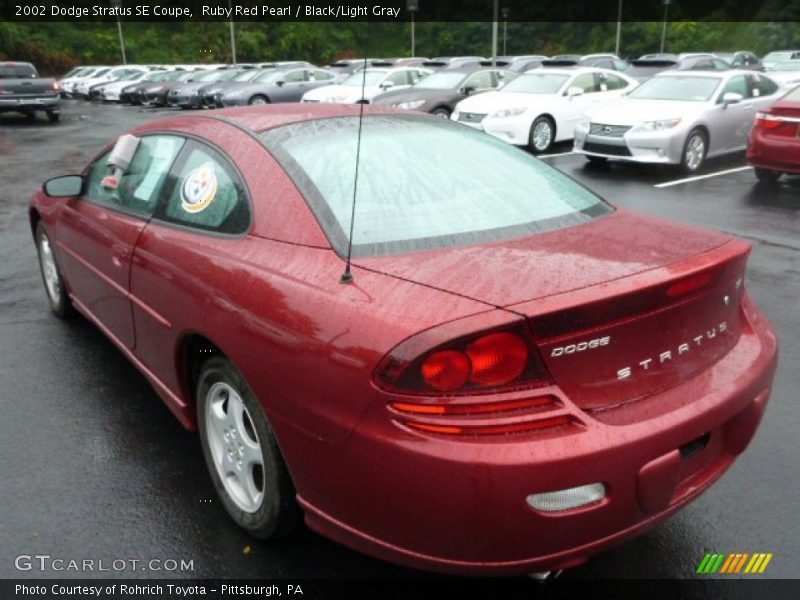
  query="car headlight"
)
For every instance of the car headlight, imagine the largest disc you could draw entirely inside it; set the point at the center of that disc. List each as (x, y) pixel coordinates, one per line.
(509, 112)
(411, 105)
(233, 94)
(657, 125)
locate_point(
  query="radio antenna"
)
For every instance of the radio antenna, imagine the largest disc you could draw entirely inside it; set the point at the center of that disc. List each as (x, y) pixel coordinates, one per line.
(347, 276)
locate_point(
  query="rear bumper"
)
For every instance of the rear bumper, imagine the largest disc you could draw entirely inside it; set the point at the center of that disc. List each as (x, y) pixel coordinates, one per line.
(48, 103)
(772, 152)
(458, 505)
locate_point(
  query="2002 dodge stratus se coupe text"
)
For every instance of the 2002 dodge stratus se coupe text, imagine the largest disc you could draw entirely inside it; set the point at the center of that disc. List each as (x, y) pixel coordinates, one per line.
(517, 376)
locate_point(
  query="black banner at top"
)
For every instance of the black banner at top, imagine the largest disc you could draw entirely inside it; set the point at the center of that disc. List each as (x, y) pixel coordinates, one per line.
(400, 10)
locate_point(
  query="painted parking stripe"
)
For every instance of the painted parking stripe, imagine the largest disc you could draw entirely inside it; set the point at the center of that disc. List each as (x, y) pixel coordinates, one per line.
(699, 177)
(554, 155)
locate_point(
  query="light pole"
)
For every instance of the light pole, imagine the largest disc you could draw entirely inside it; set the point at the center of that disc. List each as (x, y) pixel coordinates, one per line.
(664, 28)
(233, 37)
(504, 12)
(619, 28)
(412, 6)
(495, 18)
(118, 4)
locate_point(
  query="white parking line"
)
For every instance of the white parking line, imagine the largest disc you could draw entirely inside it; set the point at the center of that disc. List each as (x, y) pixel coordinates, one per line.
(554, 155)
(698, 177)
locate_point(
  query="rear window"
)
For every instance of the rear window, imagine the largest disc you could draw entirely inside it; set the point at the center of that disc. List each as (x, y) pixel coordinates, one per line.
(423, 183)
(17, 72)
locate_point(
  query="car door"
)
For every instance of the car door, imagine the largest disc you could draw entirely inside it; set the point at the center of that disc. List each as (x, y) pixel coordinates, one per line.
(295, 84)
(733, 121)
(572, 108)
(97, 232)
(198, 229)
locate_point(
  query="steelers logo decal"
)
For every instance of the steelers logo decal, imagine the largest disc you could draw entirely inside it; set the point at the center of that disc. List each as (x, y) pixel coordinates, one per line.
(198, 189)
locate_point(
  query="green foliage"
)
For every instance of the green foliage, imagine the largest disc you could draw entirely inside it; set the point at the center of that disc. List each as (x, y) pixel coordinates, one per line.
(55, 47)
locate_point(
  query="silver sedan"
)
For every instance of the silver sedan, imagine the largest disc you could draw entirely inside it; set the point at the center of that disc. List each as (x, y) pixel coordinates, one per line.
(677, 118)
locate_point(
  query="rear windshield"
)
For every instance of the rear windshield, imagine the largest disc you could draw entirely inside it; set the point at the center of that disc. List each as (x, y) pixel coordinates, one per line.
(17, 72)
(423, 183)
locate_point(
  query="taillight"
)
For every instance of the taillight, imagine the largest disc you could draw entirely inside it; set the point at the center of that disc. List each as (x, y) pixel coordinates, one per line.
(767, 121)
(480, 363)
(56, 87)
(689, 284)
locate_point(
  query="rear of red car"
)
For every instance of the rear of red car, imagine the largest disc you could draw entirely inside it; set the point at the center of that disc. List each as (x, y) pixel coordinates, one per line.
(774, 144)
(617, 369)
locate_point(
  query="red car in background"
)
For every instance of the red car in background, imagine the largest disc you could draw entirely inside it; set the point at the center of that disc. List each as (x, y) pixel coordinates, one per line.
(774, 144)
(518, 375)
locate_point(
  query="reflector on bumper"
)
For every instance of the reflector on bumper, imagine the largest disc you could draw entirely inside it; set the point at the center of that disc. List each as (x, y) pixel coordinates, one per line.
(568, 499)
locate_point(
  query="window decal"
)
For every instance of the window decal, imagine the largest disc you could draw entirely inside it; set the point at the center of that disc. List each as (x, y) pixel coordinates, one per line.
(199, 189)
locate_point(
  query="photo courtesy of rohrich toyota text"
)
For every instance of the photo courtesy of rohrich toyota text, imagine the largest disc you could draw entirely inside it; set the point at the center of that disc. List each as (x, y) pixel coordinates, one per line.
(488, 299)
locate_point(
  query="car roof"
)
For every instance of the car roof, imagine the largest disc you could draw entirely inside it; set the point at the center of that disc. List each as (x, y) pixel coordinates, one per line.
(256, 119)
(706, 73)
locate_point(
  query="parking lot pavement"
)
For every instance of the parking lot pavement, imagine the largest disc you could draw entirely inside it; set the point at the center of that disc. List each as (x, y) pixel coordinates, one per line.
(94, 465)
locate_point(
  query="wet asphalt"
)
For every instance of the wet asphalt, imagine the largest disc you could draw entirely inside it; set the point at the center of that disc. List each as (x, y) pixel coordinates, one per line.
(94, 465)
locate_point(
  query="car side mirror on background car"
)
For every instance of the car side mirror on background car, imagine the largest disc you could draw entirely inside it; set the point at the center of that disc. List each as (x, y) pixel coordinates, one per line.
(731, 98)
(63, 186)
(386, 85)
(468, 89)
(574, 91)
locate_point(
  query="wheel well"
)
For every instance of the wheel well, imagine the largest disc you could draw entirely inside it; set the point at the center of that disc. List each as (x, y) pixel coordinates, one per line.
(34, 217)
(706, 133)
(194, 350)
(552, 120)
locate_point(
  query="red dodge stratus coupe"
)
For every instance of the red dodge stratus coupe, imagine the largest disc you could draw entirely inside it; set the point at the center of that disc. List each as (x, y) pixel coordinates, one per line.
(774, 144)
(517, 376)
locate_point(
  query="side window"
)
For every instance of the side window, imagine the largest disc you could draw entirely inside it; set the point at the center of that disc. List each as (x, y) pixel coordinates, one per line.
(720, 65)
(703, 64)
(738, 85)
(481, 80)
(399, 78)
(586, 82)
(206, 193)
(139, 187)
(295, 76)
(320, 75)
(761, 86)
(612, 82)
(415, 76)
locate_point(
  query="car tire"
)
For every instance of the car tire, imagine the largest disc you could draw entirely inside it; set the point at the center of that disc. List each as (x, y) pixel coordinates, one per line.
(259, 99)
(767, 175)
(694, 151)
(242, 453)
(53, 282)
(542, 134)
(441, 112)
(53, 116)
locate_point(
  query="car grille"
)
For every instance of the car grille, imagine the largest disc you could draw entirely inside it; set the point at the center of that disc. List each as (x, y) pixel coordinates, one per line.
(606, 149)
(469, 117)
(608, 130)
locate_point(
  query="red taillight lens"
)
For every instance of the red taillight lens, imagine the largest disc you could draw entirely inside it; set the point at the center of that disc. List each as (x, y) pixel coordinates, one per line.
(767, 121)
(477, 363)
(56, 87)
(497, 358)
(446, 370)
(689, 284)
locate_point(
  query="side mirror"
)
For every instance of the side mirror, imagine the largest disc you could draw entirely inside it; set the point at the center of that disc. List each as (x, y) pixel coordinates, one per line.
(280, 83)
(574, 91)
(468, 89)
(386, 85)
(64, 186)
(731, 98)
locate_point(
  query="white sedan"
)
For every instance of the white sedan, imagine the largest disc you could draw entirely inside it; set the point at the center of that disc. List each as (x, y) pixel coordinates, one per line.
(374, 82)
(542, 106)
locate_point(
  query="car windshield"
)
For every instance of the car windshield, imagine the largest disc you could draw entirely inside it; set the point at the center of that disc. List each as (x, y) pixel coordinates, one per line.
(270, 76)
(537, 83)
(101, 72)
(774, 57)
(233, 74)
(787, 65)
(247, 75)
(367, 77)
(441, 81)
(685, 89)
(423, 183)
